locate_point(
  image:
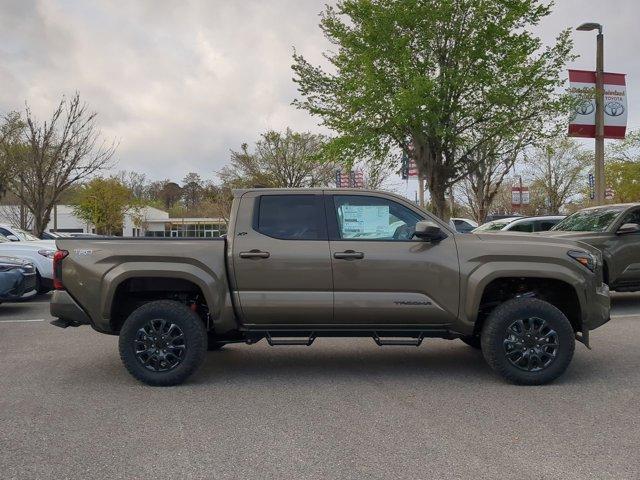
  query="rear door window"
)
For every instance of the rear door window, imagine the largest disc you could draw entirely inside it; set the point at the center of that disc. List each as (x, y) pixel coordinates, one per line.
(291, 217)
(522, 227)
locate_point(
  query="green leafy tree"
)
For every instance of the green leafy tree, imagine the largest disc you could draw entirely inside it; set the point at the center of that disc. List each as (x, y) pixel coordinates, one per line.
(623, 176)
(434, 78)
(280, 159)
(103, 202)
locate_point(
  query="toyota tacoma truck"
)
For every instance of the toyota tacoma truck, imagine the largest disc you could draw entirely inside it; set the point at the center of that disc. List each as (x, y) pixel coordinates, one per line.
(298, 264)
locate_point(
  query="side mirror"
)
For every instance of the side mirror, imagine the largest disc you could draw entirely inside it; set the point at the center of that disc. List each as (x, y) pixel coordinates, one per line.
(628, 228)
(13, 238)
(429, 231)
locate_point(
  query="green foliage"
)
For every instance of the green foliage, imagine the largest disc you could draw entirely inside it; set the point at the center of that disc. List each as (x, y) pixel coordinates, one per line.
(103, 203)
(622, 168)
(624, 177)
(434, 78)
(280, 159)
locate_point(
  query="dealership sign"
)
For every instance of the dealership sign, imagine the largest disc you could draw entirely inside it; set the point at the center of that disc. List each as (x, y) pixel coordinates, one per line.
(520, 196)
(582, 85)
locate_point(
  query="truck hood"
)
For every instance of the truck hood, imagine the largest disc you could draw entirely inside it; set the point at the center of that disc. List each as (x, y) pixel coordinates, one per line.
(566, 234)
(565, 241)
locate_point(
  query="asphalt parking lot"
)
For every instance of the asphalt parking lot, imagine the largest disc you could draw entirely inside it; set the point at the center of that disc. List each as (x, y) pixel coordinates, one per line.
(341, 409)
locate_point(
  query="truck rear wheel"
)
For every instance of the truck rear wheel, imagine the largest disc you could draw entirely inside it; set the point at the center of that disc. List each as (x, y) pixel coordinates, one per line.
(162, 343)
(528, 341)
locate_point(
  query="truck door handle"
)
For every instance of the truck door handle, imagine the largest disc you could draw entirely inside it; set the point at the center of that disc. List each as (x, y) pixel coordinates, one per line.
(348, 255)
(254, 254)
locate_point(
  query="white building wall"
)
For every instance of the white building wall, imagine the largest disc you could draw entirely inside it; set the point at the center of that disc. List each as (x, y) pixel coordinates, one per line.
(67, 221)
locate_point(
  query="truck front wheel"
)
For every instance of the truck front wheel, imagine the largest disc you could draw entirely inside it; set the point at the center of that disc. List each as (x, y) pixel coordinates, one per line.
(162, 343)
(528, 341)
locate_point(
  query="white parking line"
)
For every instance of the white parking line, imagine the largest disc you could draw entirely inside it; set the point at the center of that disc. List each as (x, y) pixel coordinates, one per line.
(627, 315)
(23, 320)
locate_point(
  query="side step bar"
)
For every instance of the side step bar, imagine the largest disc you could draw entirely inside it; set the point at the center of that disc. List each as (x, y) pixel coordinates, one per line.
(413, 341)
(308, 339)
(304, 341)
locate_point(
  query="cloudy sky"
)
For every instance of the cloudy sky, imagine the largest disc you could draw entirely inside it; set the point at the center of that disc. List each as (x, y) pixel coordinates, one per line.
(179, 83)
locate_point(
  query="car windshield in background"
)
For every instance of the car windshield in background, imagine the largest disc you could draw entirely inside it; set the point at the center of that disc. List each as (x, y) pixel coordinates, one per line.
(591, 220)
(494, 226)
(26, 236)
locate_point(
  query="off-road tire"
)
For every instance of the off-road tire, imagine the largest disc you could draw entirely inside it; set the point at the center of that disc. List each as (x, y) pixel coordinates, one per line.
(494, 333)
(195, 340)
(473, 341)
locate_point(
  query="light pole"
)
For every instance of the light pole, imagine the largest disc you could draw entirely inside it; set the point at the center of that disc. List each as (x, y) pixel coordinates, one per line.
(599, 160)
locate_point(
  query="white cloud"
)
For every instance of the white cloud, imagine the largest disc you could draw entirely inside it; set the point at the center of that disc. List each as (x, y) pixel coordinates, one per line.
(180, 83)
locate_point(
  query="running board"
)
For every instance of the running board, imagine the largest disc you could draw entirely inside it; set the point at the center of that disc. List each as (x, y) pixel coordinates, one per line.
(304, 341)
(412, 341)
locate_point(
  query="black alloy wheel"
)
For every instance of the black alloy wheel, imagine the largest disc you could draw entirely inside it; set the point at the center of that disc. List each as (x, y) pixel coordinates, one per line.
(160, 345)
(530, 344)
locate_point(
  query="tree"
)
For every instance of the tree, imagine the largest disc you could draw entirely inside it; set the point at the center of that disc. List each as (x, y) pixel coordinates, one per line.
(558, 172)
(136, 182)
(53, 156)
(103, 202)
(10, 145)
(622, 168)
(623, 177)
(492, 163)
(280, 159)
(425, 75)
(169, 194)
(192, 190)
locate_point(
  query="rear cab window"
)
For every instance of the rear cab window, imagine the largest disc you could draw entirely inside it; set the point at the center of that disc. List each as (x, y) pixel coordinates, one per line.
(290, 217)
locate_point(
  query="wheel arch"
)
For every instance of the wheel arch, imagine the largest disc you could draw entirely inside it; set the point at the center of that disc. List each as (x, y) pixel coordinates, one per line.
(185, 277)
(547, 282)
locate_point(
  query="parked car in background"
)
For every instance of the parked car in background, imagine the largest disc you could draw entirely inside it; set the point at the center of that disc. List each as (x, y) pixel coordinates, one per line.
(463, 225)
(614, 230)
(53, 235)
(491, 218)
(533, 224)
(15, 234)
(495, 225)
(39, 252)
(17, 278)
(520, 224)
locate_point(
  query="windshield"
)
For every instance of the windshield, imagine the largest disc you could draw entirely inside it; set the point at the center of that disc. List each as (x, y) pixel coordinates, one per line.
(495, 225)
(4, 239)
(26, 236)
(591, 220)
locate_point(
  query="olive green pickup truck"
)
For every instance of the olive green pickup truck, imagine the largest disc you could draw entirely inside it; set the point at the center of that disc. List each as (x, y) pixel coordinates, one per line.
(298, 264)
(615, 231)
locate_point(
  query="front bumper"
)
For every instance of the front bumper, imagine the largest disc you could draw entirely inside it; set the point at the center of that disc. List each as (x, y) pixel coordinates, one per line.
(65, 308)
(17, 285)
(598, 308)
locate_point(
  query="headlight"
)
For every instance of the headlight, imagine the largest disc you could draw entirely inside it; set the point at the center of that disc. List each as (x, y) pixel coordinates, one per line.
(587, 259)
(47, 253)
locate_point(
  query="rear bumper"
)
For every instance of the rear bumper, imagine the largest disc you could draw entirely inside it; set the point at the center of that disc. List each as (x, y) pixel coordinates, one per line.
(64, 307)
(598, 308)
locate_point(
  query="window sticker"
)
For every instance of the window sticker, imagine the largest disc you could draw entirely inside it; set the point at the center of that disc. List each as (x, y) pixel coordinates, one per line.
(365, 221)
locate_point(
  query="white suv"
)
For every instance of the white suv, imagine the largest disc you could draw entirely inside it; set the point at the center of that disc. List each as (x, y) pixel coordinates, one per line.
(39, 252)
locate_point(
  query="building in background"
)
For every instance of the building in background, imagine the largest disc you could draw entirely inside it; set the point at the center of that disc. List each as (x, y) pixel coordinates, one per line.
(154, 223)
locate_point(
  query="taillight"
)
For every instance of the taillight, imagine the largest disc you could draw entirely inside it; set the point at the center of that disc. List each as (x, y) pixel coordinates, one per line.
(57, 268)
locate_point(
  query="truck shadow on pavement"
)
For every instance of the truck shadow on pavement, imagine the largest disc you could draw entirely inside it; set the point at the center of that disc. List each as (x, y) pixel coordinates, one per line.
(452, 363)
